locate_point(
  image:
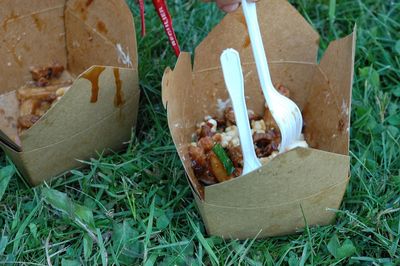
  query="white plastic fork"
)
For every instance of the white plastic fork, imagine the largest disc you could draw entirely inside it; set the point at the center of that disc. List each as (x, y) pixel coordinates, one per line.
(286, 113)
(233, 75)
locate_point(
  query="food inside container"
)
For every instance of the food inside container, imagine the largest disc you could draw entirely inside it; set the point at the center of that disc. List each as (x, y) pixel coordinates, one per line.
(298, 188)
(216, 154)
(36, 97)
(23, 107)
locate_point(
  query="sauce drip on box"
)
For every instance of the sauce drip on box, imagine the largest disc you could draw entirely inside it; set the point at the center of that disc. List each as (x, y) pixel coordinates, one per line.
(93, 77)
(118, 99)
(12, 17)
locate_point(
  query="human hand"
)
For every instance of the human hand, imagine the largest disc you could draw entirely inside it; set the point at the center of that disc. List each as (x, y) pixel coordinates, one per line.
(230, 5)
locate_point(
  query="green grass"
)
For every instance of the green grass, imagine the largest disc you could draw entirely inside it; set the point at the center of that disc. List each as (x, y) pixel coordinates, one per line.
(135, 207)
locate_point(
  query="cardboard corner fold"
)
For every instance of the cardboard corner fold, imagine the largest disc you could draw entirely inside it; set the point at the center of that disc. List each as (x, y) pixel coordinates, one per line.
(166, 85)
(329, 104)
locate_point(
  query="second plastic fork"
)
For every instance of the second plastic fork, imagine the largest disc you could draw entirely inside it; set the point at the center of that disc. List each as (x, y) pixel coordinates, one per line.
(233, 75)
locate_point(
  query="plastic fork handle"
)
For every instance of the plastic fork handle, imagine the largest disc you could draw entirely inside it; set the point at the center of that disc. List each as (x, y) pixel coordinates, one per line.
(250, 14)
(233, 75)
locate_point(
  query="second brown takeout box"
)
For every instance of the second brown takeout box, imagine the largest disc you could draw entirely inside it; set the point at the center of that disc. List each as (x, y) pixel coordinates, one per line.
(96, 42)
(296, 186)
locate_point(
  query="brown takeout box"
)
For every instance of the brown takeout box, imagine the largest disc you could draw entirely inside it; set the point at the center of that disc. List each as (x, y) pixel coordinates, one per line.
(296, 186)
(95, 40)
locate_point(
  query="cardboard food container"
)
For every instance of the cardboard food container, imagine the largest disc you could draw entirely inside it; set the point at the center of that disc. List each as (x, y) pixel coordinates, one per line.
(95, 41)
(296, 186)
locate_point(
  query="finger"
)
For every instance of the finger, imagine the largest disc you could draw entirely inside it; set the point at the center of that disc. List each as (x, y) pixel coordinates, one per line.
(230, 8)
(230, 2)
(222, 3)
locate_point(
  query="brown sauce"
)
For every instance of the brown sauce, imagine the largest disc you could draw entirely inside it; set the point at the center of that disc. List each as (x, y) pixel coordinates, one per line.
(118, 99)
(81, 7)
(93, 77)
(89, 2)
(101, 27)
(26, 47)
(242, 20)
(38, 22)
(246, 42)
(8, 19)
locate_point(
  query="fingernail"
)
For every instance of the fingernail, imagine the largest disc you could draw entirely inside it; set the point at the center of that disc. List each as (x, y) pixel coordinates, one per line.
(230, 8)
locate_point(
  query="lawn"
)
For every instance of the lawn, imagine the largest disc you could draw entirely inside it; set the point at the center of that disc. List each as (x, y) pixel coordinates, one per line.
(135, 207)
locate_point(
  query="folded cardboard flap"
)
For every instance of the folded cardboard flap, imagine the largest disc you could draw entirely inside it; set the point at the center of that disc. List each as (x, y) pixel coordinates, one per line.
(99, 33)
(49, 161)
(272, 220)
(177, 93)
(327, 112)
(290, 176)
(286, 35)
(64, 119)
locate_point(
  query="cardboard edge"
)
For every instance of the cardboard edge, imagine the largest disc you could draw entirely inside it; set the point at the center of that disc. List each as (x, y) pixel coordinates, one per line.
(330, 218)
(165, 82)
(323, 68)
(168, 83)
(168, 91)
(87, 129)
(15, 156)
(344, 181)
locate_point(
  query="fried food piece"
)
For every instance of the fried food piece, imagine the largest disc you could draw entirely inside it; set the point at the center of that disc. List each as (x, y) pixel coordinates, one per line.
(48, 93)
(236, 156)
(208, 165)
(206, 143)
(39, 94)
(26, 121)
(217, 168)
(229, 116)
(199, 160)
(266, 143)
(35, 101)
(42, 108)
(206, 131)
(26, 107)
(200, 165)
(42, 75)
